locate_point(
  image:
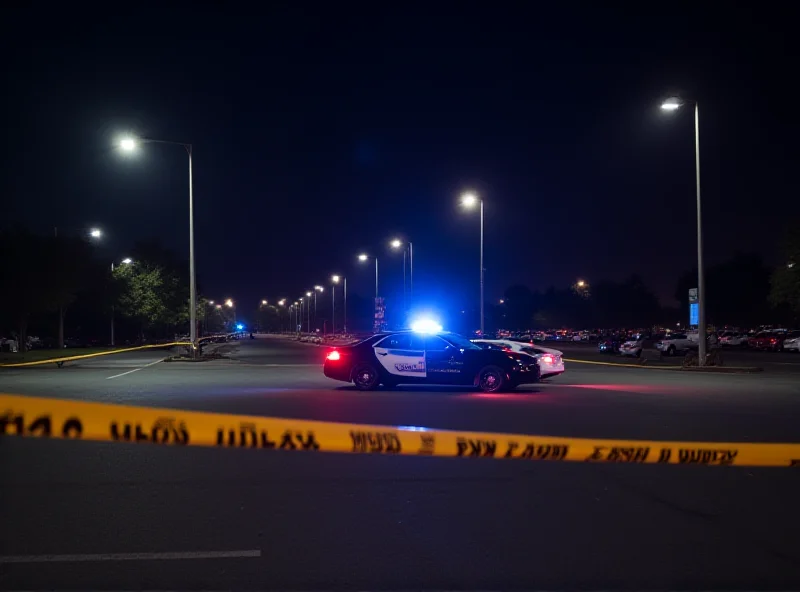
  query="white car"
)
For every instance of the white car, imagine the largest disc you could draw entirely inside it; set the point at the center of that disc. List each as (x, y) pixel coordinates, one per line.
(674, 343)
(550, 361)
(792, 342)
(632, 347)
(732, 338)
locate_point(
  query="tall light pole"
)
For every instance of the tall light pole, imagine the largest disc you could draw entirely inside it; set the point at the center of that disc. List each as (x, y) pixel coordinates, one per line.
(364, 257)
(396, 244)
(470, 200)
(316, 289)
(126, 261)
(308, 310)
(130, 145)
(670, 105)
(281, 303)
(230, 304)
(334, 280)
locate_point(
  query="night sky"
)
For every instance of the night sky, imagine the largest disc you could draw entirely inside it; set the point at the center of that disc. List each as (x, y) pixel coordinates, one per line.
(322, 132)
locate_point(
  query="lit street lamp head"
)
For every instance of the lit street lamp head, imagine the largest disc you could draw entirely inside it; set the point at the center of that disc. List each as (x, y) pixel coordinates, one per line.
(469, 200)
(95, 233)
(671, 104)
(308, 293)
(581, 283)
(281, 302)
(335, 279)
(319, 288)
(211, 302)
(396, 243)
(263, 302)
(128, 144)
(229, 303)
(362, 257)
(127, 261)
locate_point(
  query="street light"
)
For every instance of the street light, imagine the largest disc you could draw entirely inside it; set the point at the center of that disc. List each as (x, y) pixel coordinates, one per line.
(396, 244)
(364, 257)
(670, 105)
(95, 233)
(334, 281)
(126, 261)
(130, 144)
(581, 283)
(263, 303)
(316, 289)
(469, 200)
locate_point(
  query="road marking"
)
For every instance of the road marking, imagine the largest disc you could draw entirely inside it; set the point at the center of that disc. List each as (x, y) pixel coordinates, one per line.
(128, 556)
(134, 370)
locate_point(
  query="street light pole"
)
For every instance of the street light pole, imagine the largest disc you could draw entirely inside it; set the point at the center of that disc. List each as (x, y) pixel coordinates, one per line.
(411, 274)
(672, 105)
(130, 145)
(112, 309)
(701, 281)
(345, 305)
(482, 315)
(192, 281)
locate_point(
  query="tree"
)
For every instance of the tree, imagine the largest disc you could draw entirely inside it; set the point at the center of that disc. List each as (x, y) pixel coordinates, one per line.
(150, 295)
(70, 269)
(785, 280)
(23, 267)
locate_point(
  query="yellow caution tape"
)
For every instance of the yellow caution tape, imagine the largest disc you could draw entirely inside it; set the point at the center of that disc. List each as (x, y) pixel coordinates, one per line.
(97, 354)
(54, 418)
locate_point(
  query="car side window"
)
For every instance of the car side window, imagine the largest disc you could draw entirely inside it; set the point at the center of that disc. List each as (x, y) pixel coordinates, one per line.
(395, 342)
(532, 350)
(434, 343)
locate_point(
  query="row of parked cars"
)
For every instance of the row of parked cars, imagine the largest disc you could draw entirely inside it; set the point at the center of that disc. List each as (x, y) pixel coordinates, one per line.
(678, 343)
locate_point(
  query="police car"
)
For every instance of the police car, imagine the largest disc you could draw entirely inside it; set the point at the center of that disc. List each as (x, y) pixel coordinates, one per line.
(412, 357)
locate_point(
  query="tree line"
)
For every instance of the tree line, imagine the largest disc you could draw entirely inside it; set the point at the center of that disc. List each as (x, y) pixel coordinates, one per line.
(742, 292)
(58, 285)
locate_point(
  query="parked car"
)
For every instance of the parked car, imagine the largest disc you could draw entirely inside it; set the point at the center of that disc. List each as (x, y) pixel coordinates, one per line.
(733, 339)
(792, 342)
(632, 347)
(674, 343)
(550, 361)
(611, 344)
(768, 340)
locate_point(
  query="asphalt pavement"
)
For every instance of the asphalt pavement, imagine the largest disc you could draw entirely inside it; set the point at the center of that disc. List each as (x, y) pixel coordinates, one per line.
(116, 516)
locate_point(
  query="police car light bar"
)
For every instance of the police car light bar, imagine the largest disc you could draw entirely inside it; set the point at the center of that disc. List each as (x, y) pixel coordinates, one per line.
(426, 326)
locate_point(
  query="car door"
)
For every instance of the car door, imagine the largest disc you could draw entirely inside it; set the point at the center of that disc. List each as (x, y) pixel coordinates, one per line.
(401, 355)
(444, 362)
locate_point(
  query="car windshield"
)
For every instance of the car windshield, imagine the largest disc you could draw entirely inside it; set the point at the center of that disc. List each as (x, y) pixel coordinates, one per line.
(458, 341)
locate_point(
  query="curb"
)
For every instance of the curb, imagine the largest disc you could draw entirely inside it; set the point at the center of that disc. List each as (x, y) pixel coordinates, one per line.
(724, 369)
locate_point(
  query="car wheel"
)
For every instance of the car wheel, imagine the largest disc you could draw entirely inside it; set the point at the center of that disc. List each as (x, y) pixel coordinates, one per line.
(671, 350)
(491, 379)
(365, 377)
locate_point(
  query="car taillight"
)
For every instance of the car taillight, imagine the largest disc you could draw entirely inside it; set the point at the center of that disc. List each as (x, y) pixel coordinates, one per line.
(773, 340)
(334, 356)
(548, 359)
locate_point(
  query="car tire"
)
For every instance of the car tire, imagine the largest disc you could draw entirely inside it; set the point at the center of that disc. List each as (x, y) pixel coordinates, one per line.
(492, 379)
(366, 377)
(671, 350)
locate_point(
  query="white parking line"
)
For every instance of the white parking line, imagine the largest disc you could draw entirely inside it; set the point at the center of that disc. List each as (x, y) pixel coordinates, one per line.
(134, 370)
(128, 556)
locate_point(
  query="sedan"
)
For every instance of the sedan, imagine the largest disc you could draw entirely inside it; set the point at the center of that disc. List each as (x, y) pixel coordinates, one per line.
(632, 347)
(408, 357)
(550, 361)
